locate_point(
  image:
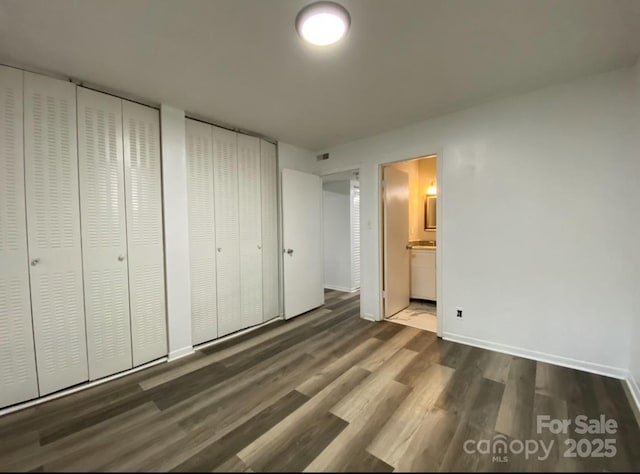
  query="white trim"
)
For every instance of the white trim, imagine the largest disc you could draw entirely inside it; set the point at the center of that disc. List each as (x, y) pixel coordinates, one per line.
(340, 288)
(180, 353)
(236, 334)
(634, 391)
(369, 317)
(562, 361)
(440, 242)
(79, 388)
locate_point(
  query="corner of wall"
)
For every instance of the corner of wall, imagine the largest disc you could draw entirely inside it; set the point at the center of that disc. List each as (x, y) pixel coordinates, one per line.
(633, 381)
(176, 228)
(296, 158)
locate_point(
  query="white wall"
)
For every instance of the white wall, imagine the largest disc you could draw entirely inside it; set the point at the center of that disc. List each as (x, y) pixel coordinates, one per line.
(296, 158)
(176, 228)
(634, 360)
(337, 235)
(537, 221)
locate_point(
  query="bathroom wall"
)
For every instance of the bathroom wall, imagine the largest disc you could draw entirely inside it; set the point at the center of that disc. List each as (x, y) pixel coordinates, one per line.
(421, 173)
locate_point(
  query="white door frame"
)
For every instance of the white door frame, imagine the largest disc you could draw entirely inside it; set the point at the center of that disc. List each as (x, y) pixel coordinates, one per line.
(439, 231)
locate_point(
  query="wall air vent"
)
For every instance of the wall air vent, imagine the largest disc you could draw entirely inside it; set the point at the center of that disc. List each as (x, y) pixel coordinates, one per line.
(322, 157)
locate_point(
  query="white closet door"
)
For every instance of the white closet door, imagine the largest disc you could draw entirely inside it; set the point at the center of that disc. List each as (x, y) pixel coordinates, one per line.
(270, 275)
(17, 358)
(53, 220)
(225, 172)
(202, 242)
(250, 227)
(104, 233)
(144, 231)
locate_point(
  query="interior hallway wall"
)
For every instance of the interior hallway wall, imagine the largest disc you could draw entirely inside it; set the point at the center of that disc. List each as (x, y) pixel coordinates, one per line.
(337, 235)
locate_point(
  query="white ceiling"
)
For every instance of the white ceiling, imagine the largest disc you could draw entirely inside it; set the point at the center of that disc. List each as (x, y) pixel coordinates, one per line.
(241, 62)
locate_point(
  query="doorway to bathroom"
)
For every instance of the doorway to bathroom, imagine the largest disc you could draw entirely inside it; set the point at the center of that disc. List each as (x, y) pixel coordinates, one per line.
(409, 217)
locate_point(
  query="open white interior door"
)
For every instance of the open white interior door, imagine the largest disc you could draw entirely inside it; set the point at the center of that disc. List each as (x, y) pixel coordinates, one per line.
(397, 253)
(302, 241)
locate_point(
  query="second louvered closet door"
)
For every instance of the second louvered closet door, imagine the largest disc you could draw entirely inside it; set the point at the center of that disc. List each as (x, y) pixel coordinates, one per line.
(250, 230)
(233, 230)
(53, 223)
(142, 172)
(270, 253)
(104, 239)
(18, 380)
(225, 174)
(202, 239)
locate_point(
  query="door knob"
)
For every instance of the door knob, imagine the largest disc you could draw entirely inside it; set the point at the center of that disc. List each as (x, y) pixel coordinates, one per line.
(289, 252)
(219, 249)
(259, 247)
(35, 261)
(121, 258)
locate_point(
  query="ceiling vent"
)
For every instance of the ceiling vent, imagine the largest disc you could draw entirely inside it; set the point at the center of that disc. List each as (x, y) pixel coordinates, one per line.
(322, 157)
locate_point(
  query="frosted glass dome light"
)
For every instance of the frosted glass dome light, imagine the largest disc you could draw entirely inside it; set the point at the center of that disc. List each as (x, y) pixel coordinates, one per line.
(323, 23)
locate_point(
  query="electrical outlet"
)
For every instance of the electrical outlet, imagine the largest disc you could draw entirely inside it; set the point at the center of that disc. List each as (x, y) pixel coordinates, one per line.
(459, 313)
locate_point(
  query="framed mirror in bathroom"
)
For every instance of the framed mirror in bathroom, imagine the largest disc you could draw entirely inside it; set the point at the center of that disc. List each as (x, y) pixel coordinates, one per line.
(430, 212)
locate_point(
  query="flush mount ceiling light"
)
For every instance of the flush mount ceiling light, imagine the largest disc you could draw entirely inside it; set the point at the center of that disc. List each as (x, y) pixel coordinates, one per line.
(323, 23)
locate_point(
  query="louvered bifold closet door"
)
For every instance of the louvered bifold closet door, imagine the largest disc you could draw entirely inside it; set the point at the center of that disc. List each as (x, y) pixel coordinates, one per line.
(250, 228)
(355, 234)
(104, 233)
(18, 380)
(225, 172)
(143, 188)
(202, 241)
(270, 275)
(53, 223)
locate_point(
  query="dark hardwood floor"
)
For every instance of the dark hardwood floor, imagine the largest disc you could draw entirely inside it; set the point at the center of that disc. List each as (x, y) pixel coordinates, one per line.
(326, 391)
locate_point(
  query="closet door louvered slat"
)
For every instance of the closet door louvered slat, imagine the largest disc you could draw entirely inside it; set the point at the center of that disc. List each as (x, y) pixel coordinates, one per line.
(143, 189)
(270, 274)
(250, 229)
(202, 242)
(355, 234)
(225, 172)
(17, 358)
(104, 239)
(53, 222)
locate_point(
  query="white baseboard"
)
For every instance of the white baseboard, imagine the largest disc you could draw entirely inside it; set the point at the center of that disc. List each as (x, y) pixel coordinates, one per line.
(236, 334)
(562, 361)
(369, 317)
(344, 289)
(180, 353)
(79, 388)
(634, 390)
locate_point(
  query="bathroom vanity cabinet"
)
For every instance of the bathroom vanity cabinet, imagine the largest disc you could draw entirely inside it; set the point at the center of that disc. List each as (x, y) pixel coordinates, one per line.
(423, 273)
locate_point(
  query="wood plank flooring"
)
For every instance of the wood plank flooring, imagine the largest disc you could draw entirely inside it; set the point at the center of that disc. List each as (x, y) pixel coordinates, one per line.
(326, 391)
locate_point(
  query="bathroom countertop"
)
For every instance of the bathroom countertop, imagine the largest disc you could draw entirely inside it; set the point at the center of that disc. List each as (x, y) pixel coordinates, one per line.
(423, 244)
